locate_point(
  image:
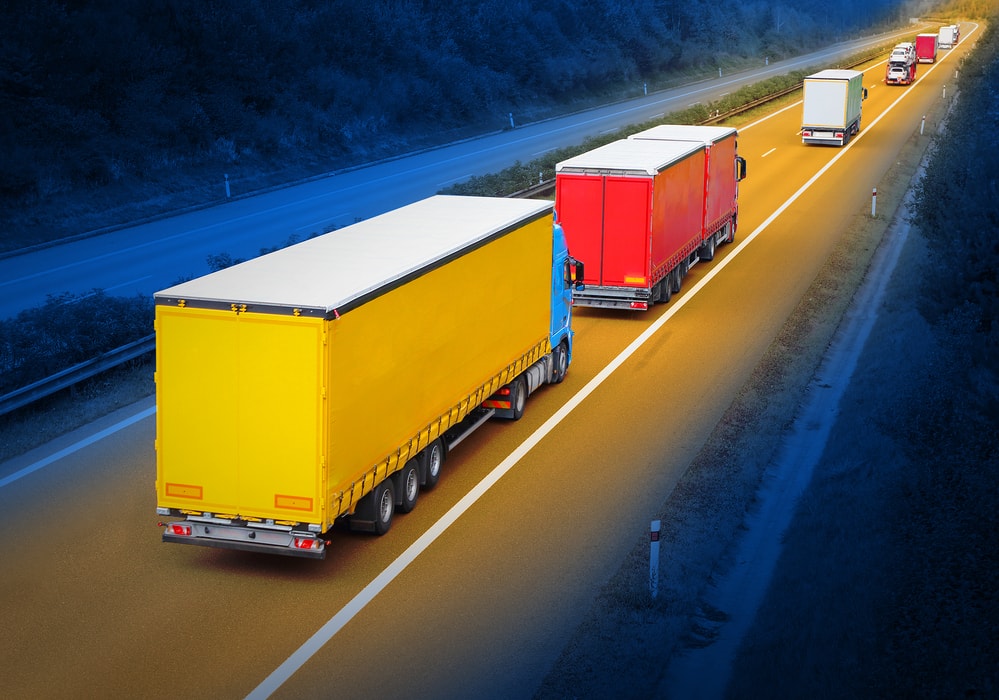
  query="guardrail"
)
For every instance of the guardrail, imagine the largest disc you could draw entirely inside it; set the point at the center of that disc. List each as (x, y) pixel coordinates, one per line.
(73, 375)
(113, 358)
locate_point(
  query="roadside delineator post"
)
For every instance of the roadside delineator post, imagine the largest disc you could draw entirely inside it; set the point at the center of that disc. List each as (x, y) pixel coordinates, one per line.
(654, 558)
(874, 202)
(921, 125)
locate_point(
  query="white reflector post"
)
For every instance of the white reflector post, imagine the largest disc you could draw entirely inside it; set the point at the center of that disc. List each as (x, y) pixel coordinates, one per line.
(654, 558)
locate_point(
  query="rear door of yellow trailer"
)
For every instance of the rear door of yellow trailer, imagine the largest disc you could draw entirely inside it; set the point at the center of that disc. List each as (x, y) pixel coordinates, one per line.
(240, 413)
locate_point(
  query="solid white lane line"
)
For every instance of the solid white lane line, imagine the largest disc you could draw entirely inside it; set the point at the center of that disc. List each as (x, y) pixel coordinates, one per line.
(455, 179)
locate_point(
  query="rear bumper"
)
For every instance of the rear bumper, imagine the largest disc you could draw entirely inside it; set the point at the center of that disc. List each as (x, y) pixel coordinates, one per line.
(247, 539)
(828, 137)
(631, 298)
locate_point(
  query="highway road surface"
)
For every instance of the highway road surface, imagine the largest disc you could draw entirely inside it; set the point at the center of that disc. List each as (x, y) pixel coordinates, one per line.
(474, 593)
(141, 260)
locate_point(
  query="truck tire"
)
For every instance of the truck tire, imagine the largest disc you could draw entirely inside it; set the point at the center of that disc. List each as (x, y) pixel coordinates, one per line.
(677, 279)
(560, 362)
(708, 249)
(407, 486)
(667, 287)
(433, 460)
(730, 238)
(518, 397)
(374, 511)
(383, 506)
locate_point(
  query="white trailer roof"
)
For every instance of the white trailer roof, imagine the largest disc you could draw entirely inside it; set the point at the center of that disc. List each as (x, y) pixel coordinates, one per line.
(331, 271)
(630, 155)
(686, 132)
(834, 74)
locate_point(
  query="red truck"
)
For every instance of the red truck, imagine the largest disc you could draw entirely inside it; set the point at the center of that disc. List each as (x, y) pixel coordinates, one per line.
(642, 210)
(723, 171)
(632, 209)
(926, 48)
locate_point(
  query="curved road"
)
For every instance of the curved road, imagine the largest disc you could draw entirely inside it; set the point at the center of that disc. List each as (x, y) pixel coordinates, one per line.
(144, 259)
(463, 598)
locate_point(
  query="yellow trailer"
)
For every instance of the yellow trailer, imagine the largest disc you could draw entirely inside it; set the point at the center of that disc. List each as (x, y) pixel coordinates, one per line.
(331, 378)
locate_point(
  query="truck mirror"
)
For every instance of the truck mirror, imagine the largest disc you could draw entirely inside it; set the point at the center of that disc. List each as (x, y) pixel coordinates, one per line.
(865, 94)
(579, 274)
(740, 168)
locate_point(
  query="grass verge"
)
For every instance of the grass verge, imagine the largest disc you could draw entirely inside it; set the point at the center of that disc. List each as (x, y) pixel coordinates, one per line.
(42, 421)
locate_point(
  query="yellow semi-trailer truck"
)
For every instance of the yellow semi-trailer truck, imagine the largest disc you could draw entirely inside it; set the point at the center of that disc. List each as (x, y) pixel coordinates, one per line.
(330, 379)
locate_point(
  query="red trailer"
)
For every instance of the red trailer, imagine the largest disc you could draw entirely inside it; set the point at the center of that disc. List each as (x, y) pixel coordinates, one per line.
(926, 48)
(633, 210)
(724, 168)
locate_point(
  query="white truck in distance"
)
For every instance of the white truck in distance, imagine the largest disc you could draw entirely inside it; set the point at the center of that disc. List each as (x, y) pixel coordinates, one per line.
(948, 36)
(832, 106)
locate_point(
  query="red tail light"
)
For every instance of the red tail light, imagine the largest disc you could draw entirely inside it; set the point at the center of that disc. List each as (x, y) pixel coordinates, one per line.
(182, 529)
(306, 543)
(639, 305)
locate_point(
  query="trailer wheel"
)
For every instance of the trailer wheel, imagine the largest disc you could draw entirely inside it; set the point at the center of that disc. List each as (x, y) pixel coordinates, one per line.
(664, 289)
(560, 357)
(731, 231)
(433, 460)
(518, 397)
(708, 249)
(383, 500)
(407, 485)
(677, 275)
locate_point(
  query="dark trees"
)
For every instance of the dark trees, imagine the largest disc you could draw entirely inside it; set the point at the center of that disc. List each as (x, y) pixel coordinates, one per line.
(100, 92)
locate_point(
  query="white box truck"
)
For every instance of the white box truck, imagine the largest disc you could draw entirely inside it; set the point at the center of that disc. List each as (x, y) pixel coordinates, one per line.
(832, 106)
(948, 36)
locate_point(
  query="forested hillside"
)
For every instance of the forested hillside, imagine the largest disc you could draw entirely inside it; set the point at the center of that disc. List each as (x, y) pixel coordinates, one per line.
(127, 93)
